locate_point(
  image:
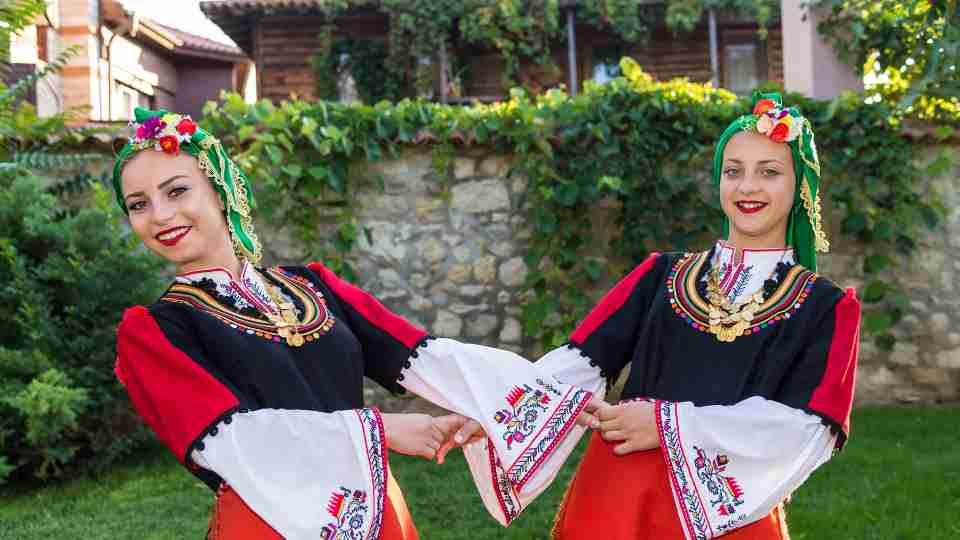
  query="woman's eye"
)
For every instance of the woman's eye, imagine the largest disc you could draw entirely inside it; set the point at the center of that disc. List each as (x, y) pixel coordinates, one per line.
(176, 192)
(771, 172)
(139, 205)
(731, 172)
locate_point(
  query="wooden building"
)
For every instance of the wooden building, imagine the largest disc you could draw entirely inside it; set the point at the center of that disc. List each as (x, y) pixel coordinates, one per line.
(123, 61)
(282, 35)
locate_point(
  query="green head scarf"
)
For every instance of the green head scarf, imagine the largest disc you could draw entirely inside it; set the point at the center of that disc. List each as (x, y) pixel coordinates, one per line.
(174, 133)
(804, 229)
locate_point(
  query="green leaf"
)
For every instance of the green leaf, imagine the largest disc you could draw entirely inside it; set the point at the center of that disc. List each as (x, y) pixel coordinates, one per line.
(275, 154)
(593, 268)
(245, 132)
(566, 194)
(877, 321)
(875, 291)
(855, 222)
(876, 263)
(295, 170)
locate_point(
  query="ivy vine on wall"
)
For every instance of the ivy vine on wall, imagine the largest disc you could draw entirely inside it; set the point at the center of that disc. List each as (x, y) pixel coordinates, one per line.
(644, 144)
(523, 32)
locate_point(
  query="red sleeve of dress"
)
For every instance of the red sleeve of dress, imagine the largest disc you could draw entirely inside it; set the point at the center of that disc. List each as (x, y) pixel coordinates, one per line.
(609, 333)
(833, 397)
(613, 301)
(173, 393)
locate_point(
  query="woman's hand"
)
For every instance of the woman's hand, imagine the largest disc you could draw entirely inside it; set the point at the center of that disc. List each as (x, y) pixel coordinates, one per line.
(419, 434)
(634, 423)
(471, 431)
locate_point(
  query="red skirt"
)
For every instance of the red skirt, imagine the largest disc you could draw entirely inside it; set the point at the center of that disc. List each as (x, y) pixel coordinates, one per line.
(232, 519)
(629, 498)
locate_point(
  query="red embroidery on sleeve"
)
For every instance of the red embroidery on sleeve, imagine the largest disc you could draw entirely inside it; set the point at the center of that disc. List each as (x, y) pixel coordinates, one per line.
(175, 396)
(613, 301)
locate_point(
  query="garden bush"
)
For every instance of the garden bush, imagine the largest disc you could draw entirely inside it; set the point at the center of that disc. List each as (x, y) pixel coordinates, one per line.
(68, 268)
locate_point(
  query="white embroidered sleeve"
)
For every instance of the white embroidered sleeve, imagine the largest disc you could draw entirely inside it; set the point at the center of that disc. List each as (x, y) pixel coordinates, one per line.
(334, 488)
(529, 417)
(570, 365)
(731, 465)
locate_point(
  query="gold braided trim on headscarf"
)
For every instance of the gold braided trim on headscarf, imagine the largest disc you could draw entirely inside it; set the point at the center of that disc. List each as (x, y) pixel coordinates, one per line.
(811, 161)
(812, 205)
(238, 199)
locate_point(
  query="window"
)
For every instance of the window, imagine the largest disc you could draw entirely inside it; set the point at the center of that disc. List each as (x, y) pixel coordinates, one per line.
(125, 99)
(740, 67)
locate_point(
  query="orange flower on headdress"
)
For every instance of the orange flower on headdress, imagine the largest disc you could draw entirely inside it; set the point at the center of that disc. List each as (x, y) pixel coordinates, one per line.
(763, 106)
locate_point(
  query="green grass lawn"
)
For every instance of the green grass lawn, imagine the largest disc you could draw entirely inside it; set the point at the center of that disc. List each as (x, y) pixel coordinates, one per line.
(898, 479)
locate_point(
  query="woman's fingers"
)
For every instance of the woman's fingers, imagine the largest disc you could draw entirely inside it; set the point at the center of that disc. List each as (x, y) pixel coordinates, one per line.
(588, 420)
(615, 435)
(624, 449)
(612, 424)
(468, 431)
(449, 423)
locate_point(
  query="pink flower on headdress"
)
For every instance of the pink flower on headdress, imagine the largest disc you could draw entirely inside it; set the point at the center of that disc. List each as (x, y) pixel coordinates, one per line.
(151, 128)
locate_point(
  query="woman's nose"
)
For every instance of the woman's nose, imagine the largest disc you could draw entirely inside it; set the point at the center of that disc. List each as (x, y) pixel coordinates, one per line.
(749, 184)
(163, 213)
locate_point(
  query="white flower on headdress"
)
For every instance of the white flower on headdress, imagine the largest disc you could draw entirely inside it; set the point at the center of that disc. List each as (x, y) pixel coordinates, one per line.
(764, 124)
(795, 127)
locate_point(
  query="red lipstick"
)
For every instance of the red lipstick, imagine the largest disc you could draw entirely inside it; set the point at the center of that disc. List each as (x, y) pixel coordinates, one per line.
(750, 207)
(180, 232)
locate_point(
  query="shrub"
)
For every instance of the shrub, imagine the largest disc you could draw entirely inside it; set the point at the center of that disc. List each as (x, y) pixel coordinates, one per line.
(65, 278)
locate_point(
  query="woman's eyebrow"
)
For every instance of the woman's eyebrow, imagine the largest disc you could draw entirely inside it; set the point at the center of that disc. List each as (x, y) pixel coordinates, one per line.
(166, 182)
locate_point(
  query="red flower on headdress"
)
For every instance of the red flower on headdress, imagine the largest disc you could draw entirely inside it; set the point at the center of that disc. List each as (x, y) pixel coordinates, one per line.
(187, 127)
(763, 106)
(780, 132)
(170, 144)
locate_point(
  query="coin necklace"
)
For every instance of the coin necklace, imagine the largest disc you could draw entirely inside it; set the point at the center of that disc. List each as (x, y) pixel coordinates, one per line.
(729, 320)
(287, 321)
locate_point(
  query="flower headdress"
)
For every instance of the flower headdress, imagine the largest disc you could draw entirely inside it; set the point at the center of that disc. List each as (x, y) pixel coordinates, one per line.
(786, 125)
(174, 133)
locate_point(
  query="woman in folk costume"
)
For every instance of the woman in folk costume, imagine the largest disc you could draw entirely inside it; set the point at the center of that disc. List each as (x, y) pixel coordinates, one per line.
(253, 376)
(742, 360)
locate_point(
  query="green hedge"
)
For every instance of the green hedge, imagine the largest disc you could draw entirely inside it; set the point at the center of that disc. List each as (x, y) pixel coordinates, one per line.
(644, 142)
(68, 268)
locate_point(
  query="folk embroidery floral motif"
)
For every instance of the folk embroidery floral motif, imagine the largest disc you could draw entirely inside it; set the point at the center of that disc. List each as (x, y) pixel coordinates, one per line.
(348, 508)
(520, 420)
(726, 493)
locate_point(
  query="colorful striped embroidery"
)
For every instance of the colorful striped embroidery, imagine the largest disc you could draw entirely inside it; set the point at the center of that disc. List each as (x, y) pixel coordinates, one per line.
(376, 447)
(686, 302)
(685, 492)
(317, 319)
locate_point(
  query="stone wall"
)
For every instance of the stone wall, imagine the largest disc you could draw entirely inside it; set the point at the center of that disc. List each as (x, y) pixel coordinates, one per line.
(448, 255)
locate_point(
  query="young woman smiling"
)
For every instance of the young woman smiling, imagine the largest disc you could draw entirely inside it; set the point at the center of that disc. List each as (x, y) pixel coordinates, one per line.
(742, 360)
(253, 376)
